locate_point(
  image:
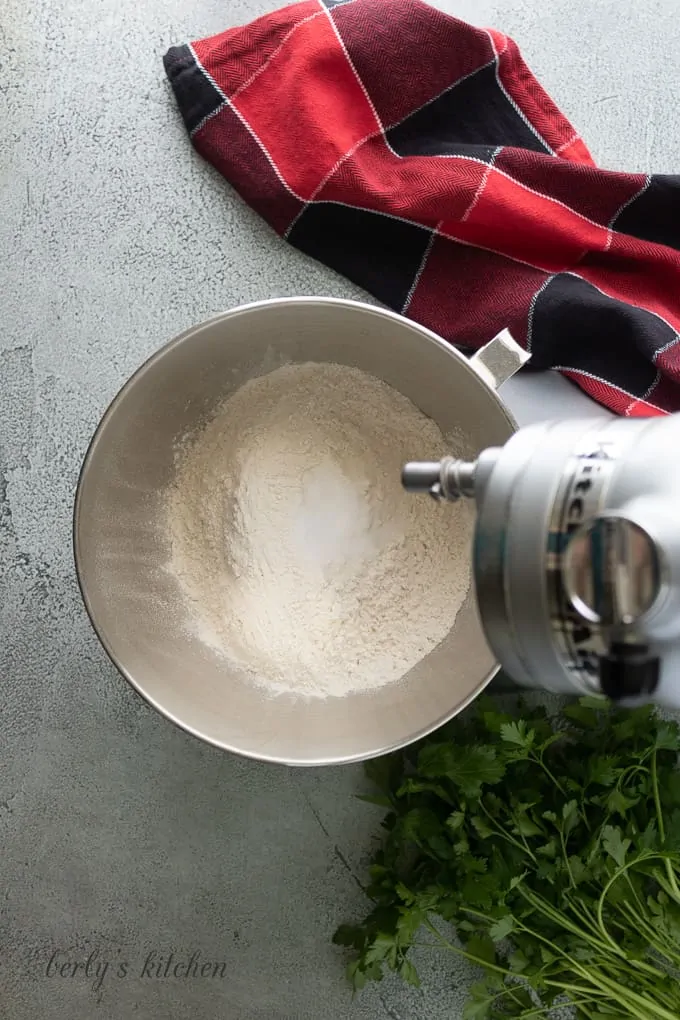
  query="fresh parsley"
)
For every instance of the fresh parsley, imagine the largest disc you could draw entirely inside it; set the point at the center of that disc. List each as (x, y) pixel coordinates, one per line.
(551, 845)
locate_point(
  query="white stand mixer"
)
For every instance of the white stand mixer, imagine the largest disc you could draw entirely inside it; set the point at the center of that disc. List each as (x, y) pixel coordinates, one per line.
(577, 553)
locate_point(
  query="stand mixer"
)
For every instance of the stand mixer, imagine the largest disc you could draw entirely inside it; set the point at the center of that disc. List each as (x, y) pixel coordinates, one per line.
(576, 557)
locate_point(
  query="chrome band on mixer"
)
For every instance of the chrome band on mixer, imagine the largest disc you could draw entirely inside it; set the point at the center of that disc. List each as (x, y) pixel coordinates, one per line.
(581, 495)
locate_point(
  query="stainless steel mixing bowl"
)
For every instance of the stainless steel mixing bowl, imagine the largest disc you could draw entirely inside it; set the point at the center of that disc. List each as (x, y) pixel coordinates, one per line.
(121, 546)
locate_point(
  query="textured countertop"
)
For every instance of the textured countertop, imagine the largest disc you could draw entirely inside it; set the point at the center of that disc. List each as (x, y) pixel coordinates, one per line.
(120, 836)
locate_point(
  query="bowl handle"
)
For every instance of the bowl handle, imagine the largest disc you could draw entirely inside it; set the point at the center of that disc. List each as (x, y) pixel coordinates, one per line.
(498, 360)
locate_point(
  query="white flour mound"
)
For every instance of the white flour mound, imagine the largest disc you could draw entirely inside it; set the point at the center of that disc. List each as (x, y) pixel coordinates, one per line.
(299, 554)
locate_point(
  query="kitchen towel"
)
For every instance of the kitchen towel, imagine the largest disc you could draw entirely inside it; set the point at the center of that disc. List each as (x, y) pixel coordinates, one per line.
(421, 158)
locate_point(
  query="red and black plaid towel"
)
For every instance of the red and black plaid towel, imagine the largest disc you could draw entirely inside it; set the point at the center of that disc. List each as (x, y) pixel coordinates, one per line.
(419, 157)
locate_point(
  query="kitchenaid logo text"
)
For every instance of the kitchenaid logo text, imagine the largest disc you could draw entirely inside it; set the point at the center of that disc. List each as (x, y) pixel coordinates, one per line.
(96, 968)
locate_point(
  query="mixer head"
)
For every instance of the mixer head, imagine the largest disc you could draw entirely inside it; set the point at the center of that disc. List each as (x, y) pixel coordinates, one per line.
(576, 557)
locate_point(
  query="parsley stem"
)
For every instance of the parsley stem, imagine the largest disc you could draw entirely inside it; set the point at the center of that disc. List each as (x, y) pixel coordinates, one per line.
(579, 1004)
(657, 800)
(639, 966)
(501, 831)
(638, 901)
(596, 994)
(585, 916)
(511, 992)
(542, 1011)
(564, 921)
(623, 993)
(463, 952)
(571, 989)
(612, 989)
(654, 935)
(666, 886)
(566, 859)
(578, 968)
(628, 772)
(539, 761)
(662, 830)
(621, 870)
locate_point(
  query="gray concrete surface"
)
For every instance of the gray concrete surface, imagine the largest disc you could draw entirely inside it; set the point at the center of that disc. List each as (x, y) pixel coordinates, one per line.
(119, 834)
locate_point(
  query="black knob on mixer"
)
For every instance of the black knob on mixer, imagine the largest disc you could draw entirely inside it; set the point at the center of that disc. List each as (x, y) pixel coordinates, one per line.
(628, 671)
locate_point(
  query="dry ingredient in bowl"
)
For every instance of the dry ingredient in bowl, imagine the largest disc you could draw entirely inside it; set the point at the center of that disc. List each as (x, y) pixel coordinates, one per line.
(300, 557)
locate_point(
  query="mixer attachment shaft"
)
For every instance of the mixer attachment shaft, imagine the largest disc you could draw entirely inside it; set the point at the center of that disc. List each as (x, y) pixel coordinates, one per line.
(447, 479)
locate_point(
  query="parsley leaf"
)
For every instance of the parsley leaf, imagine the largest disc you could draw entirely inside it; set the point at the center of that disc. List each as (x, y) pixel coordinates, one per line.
(501, 929)
(469, 768)
(615, 845)
(518, 733)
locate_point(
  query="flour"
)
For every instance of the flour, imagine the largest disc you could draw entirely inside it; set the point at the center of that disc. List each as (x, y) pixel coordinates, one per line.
(299, 555)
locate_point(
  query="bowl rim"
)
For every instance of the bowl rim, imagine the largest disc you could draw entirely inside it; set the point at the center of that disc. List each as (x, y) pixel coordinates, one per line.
(146, 366)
